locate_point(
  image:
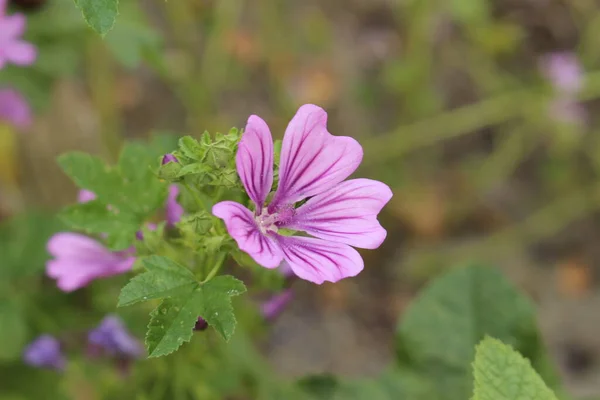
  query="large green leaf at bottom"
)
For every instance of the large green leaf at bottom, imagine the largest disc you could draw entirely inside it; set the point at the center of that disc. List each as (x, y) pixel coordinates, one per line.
(501, 373)
(437, 336)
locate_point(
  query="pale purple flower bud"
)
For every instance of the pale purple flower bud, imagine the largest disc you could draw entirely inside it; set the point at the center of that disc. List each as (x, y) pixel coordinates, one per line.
(167, 158)
(78, 260)
(13, 49)
(85, 195)
(564, 71)
(201, 324)
(14, 109)
(45, 352)
(273, 307)
(112, 337)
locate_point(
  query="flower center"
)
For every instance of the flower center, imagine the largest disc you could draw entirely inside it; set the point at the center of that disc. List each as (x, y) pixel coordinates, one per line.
(270, 222)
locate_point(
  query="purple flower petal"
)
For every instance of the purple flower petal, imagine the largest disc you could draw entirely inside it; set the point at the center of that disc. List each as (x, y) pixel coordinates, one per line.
(20, 53)
(14, 109)
(167, 158)
(174, 211)
(346, 213)
(12, 27)
(112, 336)
(79, 259)
(254, 160)
(243, 228)
(313, 160)
(318, 260)
(85, 195)
(273, 307)
(44, 352)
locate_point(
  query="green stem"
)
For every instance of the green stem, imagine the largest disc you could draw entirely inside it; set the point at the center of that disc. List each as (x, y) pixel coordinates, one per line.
(462, 121)
(101, 81)
(216, 268)
(197, 198)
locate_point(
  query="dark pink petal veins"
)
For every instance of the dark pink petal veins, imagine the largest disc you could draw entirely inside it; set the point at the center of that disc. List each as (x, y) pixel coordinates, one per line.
(313, 160)
(242, 227)
(346, 213)
(317, 260)
(254, 160)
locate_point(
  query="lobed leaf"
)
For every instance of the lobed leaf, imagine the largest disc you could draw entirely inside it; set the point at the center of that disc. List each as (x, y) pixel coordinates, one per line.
(501, 373)
(99, 14)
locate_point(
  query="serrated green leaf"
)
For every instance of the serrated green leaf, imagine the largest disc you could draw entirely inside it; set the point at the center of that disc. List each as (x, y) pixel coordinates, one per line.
(216, 303)
(501, 373)
(87, 171)
(171, 324)
(13, 331)
(198, 223)
(132, 37)
(96, 218)
(469, 303)
(190, 148)
(164, 278)
(99, 14)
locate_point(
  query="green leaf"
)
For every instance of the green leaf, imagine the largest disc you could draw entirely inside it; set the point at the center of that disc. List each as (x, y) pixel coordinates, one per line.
(469, 303)
(132, 37)
(88, 172)
(501, 373)
(164, 278)
(99, 14)
(198, 223)
(216, 306)
(13, 331)
(23, 240)
(171, 324)
(96, 218)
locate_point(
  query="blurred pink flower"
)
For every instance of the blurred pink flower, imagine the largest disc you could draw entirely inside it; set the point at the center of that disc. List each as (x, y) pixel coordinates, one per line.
(271, 308)
(12, 48)
(173, 210)
(85, 195)
(338, 213)
(78, 260)
(563, 70)
(14, 109)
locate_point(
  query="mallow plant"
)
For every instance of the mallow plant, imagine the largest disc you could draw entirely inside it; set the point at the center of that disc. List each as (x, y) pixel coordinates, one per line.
(195, 226)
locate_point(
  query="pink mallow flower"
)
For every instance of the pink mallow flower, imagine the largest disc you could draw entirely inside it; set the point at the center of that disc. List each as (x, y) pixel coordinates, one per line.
(14, 109)
(338, 213)
(78, 260)
(12, 48)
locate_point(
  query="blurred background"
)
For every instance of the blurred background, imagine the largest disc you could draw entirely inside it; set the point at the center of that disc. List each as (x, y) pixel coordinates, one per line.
(480, 114)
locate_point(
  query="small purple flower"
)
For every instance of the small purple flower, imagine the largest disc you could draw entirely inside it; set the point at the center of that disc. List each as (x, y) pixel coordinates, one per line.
(271, 308)
(112, 337)
(78, 260)
(12, 48)
(14, 109)
(314, 164)
(564, 71)
(173, 210)
(85, 195)
(167, 158)
(45, 352)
